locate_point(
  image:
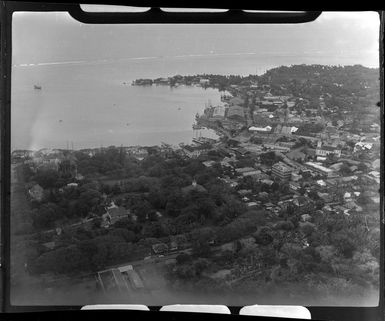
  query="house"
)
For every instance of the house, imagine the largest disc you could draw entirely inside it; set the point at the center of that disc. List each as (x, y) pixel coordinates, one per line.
(231, 246)
(325, 150)
(226, 161)
(208, 163)
(276, 147)
(159, 248)
(317, 167)
(288, 144)
(295, 177)
(301, 201)
(193, 151)
(321, 183)
(236, 112)
(219, 112)
(266, 129)
(114, 214)
(164, 81)
(375, 174)
(263, 195)
(72, 185)
(173, 245)
(248, 171)
(376, 164)
(21, 154)
(36, 192)
(375, 199)
(326, 197)
(305, 218)
(281, 170)
(341, 209)
(241, 151)
(244, 192)
(50, 245)
(362, 146)
(204, 81)
(236, 101)
(352, 205)
(252, 204)
(347, 196)
(267, 182)
(288, 129)
(294, 186)
(336, 166)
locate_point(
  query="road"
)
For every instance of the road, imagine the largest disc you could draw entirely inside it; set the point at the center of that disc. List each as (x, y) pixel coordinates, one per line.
(153, 259)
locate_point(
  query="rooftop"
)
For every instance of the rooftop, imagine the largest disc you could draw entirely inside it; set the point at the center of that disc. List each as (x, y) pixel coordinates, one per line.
(319, 166)
(194, 187)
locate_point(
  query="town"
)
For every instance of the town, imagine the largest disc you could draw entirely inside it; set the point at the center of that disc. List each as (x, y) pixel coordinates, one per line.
(286, 201)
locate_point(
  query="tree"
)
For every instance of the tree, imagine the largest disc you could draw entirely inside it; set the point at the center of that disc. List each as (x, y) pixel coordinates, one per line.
(200, 241)
(183, 258)
(200, 265)
(153, 229)
(46, 178)
(233, 208)
(45, 216)
(219, 192)
(362, 167)
(284, 225)
(126, 235)
(269, 158)
(345, 169)
(63, 260)
(205, 208)
(142, 209)
(326, 252)
(263, 236)
(344, 244)
(307, 228)
(174, 203)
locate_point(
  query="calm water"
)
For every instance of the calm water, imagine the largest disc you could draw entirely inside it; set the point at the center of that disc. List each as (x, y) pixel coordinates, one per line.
(90, 106)
(87, 103)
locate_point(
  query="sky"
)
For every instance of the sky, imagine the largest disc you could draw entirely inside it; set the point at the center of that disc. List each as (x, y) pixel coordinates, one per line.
(55, 37)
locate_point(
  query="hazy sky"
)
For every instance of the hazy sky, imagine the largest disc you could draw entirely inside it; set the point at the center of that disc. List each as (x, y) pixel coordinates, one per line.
(53, 37)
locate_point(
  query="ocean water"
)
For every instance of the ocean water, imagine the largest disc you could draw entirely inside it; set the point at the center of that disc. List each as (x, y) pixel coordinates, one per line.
(87, 104)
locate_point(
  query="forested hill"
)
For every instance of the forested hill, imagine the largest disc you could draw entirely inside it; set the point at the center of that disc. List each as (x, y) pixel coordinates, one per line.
(311, 80)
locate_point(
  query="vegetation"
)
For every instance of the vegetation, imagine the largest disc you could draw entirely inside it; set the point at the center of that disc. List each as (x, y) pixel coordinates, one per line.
(216, 232)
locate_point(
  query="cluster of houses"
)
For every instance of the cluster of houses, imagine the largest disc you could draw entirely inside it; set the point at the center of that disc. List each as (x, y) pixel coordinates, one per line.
(327, 164)
(304, 170)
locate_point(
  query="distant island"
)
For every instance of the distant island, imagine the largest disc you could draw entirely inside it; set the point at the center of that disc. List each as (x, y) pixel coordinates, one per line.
(284, 202)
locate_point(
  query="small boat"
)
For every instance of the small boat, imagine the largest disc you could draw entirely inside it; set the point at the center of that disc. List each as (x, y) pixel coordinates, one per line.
(37, 87)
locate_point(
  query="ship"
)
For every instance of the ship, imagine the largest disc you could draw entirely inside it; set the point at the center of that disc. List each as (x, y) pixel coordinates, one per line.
(37, 87)
(197, 127)
(203, 140)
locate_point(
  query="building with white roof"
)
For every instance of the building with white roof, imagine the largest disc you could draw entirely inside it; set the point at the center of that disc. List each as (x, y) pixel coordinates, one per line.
(320, 169)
